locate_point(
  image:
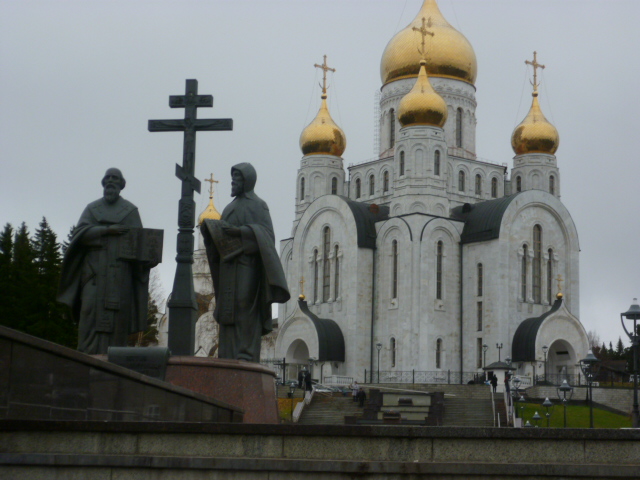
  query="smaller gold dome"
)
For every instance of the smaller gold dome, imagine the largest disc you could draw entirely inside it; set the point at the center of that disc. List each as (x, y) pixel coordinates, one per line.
(210, 213)
(301, 297)
(322, 136)
(535, 134)
(559, 296)
(422, 105)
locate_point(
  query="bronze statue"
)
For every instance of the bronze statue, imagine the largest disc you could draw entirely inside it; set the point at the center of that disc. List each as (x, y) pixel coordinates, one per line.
(245, 268)
(105, 270)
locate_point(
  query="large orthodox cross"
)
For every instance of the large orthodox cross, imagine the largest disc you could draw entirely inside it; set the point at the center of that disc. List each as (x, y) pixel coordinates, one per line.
(423, 32)
(535, 66)
(182, 305)
(325, 68)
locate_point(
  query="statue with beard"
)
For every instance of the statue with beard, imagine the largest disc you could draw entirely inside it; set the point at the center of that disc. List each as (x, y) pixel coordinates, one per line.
(106, 288)
(245, 268)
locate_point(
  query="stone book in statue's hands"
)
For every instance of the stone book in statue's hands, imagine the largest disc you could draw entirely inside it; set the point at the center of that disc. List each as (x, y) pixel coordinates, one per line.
(228, 247)
(141, 245)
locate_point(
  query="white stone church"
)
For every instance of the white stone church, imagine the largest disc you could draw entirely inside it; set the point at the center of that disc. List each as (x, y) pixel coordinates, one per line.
(414, 261)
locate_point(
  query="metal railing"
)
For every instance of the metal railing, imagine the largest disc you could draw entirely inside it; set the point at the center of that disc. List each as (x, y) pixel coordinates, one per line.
(419, 376)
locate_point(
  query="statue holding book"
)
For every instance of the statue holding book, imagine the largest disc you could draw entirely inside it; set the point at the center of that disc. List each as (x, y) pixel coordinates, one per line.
(245, 268)
(105, 270)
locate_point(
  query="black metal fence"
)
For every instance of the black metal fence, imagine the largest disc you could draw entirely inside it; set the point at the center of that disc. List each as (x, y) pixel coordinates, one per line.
(419, 376)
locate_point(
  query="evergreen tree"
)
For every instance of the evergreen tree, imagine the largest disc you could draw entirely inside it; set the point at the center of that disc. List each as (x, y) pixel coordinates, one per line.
(6, 274)
(66, 243)
(619, 349)
(23, 281)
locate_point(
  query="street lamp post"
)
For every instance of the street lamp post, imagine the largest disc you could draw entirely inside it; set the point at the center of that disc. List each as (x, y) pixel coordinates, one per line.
(292, 388)
(565, 390)
(547, 405)
(588, 367)
(516, 384)
(634, 314)
(536, 419)
(545, 349)
(379, 347)
(499, 347)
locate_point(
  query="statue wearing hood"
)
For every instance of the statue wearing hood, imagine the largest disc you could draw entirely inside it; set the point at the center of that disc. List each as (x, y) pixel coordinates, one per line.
(245, 268)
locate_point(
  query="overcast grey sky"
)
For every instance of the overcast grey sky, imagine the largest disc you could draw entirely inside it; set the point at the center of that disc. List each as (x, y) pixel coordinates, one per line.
(79, 80)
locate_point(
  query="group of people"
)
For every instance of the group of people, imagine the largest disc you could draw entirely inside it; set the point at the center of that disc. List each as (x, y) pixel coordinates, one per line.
(358, 394)
(304, 380)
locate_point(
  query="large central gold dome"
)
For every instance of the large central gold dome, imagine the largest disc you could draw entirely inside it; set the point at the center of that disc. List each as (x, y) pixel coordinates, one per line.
(449, 53)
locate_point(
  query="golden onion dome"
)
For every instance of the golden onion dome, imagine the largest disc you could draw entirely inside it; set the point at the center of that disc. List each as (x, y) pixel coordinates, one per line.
(535, 134)
(422, 105)
(449, 54)
(322, 136)
(210, 213)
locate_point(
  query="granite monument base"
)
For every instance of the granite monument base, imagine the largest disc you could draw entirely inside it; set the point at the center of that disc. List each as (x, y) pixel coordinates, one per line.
(247, 385)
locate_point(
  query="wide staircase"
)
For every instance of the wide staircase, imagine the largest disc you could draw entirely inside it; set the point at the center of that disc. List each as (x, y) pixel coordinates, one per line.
(329, 409)
(464, 405)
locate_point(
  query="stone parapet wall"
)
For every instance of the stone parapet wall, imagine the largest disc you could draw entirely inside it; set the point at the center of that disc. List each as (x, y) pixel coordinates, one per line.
(93, 450)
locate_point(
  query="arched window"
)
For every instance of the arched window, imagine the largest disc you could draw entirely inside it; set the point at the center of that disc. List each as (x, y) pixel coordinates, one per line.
(326, 267)
(459, 127)
(334, 186)
(479, 315)
(494, 187)
(392, 348)
(439, 353)
(385, 181)
(550, 276)
(315, 275)
(401, 163)
(394, 269)
(358, 188)
(480, 280)
(523, 273)
(461, 181)
(537, 264)
(518, 183)
(436, 162)
(302, 189)
(336, 274)
(372, 185)
(392, 128)
(478, 185)
(552, 185)
(439, 255)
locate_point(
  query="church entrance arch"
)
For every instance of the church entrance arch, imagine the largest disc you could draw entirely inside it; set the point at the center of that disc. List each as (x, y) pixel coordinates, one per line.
(561, 362)
(297, 356)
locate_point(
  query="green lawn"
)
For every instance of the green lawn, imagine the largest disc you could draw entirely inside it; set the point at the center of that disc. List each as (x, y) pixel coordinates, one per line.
(577, 416)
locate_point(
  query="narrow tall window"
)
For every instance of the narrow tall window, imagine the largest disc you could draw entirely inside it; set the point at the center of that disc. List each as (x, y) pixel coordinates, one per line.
(523, 279)
(336, 274)
(478, 185)
(302, 189)
(480, 279)
(392, 348)
(518, 183)
(385, 181)
(478, 353)
(334, 186)
(479, 315)
(372, 185)
(494, 187)
(552, 185)
(392, 128)
(358, 188)
(461, 181)
(436, 163)
(439, 254)
(394, 269)
(439, 353)
(326, 267)
(315, 276)
(550, 276)
(401, 163)
(537, 264)
(459, 127)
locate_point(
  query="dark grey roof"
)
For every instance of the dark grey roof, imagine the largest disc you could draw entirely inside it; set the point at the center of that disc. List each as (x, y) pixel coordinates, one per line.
(499, 366)
(366, 215)
(482, 220)
(523, 347)
(330, 338)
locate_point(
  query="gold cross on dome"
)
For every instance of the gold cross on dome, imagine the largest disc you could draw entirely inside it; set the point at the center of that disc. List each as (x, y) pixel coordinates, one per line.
(535, 66)
(211, 182)
(423, 32)
(325, 68)
(302, 286)
(559, 283)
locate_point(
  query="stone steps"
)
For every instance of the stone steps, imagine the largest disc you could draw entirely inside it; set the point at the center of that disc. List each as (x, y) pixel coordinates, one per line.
(329, 410)
(470, 412)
